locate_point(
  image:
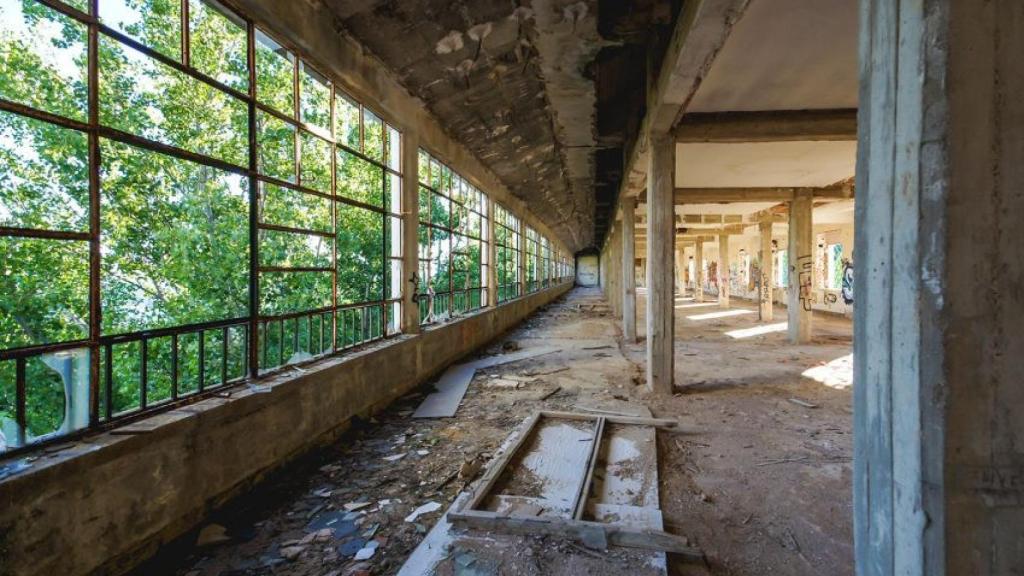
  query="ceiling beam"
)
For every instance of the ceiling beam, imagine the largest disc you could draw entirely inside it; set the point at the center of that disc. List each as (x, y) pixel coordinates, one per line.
(770, 126)
(726, 195)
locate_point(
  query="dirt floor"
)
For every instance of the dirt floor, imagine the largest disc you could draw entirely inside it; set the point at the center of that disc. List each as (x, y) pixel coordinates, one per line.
(758, 476)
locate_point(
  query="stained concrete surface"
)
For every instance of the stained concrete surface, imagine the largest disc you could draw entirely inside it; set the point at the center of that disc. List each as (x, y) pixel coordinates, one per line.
(760, 483)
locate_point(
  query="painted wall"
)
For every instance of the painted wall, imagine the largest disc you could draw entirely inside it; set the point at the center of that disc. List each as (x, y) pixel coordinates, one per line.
(834, 300)
(587, 272)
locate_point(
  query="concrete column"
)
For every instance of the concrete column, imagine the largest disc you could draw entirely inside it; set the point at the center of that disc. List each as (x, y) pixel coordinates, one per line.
(723, 271)
(681, 268)
(801, 269)
(660, 241)
(492, 257)
(410, 322)
(938, 401)
(767, 271)
(628, 276)
(698, 270)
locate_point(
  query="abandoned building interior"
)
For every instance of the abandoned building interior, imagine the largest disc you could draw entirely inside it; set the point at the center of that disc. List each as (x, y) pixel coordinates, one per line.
(496, 287)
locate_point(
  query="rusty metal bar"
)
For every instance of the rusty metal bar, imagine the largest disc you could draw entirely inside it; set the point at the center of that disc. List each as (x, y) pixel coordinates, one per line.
(252, 351)
(174, 366)
(291, 230)
(20, 400)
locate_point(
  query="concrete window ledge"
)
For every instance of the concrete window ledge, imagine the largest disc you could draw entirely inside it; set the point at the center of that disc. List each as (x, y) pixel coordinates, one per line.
(103, 504)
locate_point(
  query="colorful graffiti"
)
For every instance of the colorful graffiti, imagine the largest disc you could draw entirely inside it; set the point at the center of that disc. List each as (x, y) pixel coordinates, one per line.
(847, 281)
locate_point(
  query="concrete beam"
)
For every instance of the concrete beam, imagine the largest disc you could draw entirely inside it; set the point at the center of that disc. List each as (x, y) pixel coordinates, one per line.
(701, 30)
(685, 196)
(770, 126)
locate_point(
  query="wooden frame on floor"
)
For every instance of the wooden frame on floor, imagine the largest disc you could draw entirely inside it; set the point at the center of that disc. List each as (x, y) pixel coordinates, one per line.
(591, 534)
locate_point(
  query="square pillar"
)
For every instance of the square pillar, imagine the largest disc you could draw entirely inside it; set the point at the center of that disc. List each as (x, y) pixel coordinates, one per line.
(765, 308)
(410, 227)
(938, 400)
(801, 269)
(698, 269)
(660, 242)
(723, 271)
(628, 276)
(681, 268)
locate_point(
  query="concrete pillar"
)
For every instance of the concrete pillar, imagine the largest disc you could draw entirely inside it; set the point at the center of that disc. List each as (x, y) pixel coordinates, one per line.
(681, 269)
(938, 401)
(801, 269)
(660, 241)
(410, 323)
(767, 272)
(698, 269)
(492, 257)
(723, 271)
(628, 276)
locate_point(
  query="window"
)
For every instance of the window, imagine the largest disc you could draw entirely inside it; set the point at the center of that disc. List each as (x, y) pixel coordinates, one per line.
(452, 243)
(506, 242)
(180, 309)
(531, 253)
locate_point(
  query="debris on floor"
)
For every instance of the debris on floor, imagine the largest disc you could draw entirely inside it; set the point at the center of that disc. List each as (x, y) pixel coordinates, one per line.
(739, 525)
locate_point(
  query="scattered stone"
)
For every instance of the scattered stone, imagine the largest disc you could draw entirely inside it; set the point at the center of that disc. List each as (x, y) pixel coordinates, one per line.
(350, 547)
(424, 509)
(353, 506)
(212, 534)
(291, 553)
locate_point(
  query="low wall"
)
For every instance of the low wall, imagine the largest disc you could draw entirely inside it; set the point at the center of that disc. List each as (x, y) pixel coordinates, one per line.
(108, 502)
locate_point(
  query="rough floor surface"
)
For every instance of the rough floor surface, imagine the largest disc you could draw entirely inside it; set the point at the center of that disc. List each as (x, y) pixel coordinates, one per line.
(758, 476)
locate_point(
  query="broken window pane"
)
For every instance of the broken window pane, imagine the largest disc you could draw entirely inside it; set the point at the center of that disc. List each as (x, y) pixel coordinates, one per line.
(218, 43)
(43, 59)
(189, 264)
(44, 179)
(275, 80)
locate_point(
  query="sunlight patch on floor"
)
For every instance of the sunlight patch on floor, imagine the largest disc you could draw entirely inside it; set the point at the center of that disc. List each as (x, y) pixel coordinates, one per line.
(722, 314)
(757, 330)
(698, 305)
(836, 374)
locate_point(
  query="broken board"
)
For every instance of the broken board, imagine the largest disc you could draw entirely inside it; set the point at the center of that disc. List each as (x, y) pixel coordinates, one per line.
(452, 385)
(609, 495)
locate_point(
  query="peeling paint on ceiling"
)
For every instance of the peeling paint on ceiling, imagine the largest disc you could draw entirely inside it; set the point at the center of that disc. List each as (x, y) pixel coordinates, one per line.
(508, 80)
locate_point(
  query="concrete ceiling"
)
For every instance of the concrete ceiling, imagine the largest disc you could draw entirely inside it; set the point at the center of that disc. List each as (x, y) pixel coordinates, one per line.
(508, 81)
(764, 164)
(785, 55)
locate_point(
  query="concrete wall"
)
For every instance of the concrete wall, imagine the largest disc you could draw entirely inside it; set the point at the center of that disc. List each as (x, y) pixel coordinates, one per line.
(108, 502)
(587, 272)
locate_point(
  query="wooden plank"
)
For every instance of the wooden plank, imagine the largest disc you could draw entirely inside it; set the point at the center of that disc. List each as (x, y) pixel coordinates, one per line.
(584, 490)
(498, 465)
(656, 422)
(581, 530)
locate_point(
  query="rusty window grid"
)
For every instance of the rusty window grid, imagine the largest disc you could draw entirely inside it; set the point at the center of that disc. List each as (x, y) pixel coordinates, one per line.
(507, 251)
(101, 346)
(441, 181)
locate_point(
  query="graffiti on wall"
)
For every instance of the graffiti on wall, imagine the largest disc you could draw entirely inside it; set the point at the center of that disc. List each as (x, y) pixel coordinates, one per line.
(805, 276)
(847, 281)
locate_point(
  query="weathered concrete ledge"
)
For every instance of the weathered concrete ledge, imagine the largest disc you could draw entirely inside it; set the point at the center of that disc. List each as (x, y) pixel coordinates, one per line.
(106, 503)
